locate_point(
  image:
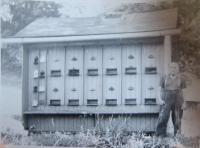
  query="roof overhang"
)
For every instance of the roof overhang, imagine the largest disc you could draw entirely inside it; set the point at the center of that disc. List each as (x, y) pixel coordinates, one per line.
(120, 36)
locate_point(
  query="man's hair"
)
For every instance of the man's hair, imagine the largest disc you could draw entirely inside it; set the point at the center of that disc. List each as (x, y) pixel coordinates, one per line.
(174, 64)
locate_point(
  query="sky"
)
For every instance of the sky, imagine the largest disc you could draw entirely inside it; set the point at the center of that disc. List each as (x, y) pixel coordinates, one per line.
(90, 8)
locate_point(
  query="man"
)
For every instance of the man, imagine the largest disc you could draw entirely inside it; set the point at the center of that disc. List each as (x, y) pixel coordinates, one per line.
(171, 100)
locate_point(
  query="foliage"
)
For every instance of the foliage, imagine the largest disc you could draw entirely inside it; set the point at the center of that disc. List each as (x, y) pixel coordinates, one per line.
(188, 45)
(15, 16)
(20, 13)
(186, 49)
(11, 59)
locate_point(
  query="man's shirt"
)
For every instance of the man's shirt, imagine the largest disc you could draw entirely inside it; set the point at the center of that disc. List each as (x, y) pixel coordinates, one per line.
(170, 83)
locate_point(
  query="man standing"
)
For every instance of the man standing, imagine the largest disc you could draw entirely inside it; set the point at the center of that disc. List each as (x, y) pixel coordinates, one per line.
(171, 100)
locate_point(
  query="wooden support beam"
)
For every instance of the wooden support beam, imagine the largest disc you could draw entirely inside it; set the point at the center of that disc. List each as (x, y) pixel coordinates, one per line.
(167, 52)
(120, 36)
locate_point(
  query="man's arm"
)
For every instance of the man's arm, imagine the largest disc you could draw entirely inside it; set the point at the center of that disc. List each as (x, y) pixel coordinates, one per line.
(183, 83)
(161, 90)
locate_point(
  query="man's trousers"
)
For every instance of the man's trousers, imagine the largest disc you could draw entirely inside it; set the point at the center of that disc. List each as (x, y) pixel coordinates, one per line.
(173, 105)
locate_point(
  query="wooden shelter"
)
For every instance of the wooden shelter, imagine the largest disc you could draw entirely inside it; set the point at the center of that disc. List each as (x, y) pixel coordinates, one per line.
(86, 73)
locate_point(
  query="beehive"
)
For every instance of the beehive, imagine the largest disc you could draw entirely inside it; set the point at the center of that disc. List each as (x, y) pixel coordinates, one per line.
(80, 73)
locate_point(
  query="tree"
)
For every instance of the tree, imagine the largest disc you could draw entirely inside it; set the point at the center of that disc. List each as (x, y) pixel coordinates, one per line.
(15, 16)
(186, 50)
(188, 46)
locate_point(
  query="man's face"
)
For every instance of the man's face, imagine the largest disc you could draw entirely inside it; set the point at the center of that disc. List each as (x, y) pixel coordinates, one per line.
(173, 69)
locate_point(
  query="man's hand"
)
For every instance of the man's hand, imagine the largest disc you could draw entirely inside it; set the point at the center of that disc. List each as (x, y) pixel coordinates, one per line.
(184, 106)
(160, 96)
(161, 102)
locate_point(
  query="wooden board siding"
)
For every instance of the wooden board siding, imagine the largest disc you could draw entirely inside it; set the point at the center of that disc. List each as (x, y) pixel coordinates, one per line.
(151, 58)
(120, 109)
(74, 84)
(25, 81)
(93, 82)
(112, 82)
(55, 61)
(118, 73)
(76, 123)
(33, 80)
(42, 96)
(131, 83)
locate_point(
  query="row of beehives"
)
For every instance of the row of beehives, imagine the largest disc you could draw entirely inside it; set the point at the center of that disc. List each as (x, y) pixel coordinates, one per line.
(95, 75)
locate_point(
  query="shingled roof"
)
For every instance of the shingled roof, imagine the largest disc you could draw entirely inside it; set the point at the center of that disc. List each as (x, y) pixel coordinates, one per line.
(130, 23)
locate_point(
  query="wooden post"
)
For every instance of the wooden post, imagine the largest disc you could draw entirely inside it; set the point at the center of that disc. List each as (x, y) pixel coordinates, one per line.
(167, 60)
(1, 104)
(167, 52)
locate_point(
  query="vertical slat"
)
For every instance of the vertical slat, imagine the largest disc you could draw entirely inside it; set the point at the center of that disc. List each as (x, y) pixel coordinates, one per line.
(74, 84)
(57, 119)
(46, 123)
(150, 59)
(42, 81)
(133, 122)
(25, 83)
(167, 51)
(131, 83)
(33, 79)
(56, 62)
(75, 123)
(43, 122)
(112, 83)
(25, 76)
(93, 84)
(63, 123)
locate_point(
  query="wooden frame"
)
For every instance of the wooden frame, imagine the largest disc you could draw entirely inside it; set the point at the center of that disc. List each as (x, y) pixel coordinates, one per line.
(92, 37)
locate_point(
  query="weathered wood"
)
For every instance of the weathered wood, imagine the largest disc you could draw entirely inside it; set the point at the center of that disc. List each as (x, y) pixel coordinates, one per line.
(92, 37)
(120, 109)
(76, 123)
(135, 22)
(150, 54)
(25, 76)
(167, 52)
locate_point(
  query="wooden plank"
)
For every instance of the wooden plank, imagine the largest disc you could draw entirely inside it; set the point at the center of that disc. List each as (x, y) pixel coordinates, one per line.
(93, 81)
(146, 40)
(33, 77)
(92, 37)
(76, 123)
(138, 109)
(167, 52)
(42, 85)
(112, 80)
(25, 75)
(74, 81)
(151, 66)
(55, 80)
(131, 83)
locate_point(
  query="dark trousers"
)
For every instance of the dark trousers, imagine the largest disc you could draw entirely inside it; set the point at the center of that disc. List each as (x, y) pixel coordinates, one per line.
(172, 104)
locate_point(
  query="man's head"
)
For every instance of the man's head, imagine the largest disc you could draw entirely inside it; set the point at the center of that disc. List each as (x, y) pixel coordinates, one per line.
(173, 68)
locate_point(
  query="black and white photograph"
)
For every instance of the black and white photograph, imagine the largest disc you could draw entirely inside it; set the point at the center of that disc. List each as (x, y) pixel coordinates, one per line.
(100, 73)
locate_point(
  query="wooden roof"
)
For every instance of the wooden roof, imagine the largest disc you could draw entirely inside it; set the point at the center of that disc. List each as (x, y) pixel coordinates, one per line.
(131, 23)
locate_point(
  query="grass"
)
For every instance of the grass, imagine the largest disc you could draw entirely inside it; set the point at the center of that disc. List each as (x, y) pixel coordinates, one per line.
(114, 137)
